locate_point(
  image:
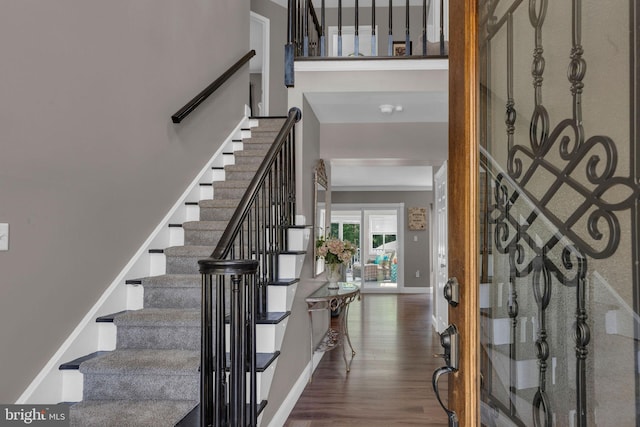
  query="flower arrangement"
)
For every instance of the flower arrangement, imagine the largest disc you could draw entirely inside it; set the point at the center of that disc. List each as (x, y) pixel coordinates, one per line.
(334, 250)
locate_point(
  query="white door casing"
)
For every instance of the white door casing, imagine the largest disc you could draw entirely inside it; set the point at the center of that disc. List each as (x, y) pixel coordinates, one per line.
(441, 308)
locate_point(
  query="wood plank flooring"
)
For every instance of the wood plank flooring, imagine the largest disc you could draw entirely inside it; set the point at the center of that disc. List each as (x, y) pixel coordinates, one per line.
(390, 379)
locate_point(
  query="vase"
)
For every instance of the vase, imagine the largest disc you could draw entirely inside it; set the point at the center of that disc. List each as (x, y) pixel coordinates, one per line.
(334, 274)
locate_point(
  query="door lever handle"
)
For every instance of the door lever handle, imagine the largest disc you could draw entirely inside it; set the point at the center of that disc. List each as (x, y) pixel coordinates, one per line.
(451, 415)
(449, 340)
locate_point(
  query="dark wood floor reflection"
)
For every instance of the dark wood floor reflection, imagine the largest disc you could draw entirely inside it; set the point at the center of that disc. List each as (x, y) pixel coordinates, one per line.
(390, 379)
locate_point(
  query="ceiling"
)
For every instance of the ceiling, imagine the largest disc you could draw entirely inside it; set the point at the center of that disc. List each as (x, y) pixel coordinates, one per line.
(405, 146)
(364, 107)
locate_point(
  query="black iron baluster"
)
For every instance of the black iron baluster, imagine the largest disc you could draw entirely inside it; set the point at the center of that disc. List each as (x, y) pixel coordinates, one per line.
(211, 392)
(356, 36)
(339, 27)
(322, 36)
(442, 27)
(289, 48)
(262, 291)
(299, 26)
(390, 38)
(374, 46)
(252, 348)
(305, 29)
(424, 27)
(237, 375)
(407, 34)
(270, 224)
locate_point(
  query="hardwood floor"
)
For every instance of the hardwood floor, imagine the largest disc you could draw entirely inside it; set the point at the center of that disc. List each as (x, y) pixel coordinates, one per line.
(390, 379)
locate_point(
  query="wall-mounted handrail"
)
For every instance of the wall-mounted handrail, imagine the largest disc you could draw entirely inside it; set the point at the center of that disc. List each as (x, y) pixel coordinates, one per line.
(199, 98)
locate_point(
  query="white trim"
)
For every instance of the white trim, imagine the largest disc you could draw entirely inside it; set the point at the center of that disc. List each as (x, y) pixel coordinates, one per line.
(265, 23)
(373, 65)
(89, 320)
(281, 415)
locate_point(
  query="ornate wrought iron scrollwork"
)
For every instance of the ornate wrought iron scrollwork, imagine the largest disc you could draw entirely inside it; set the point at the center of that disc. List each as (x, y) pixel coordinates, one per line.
(560, 162)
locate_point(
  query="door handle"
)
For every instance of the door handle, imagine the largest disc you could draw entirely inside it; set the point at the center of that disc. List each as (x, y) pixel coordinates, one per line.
(452, 292)
(449, 340)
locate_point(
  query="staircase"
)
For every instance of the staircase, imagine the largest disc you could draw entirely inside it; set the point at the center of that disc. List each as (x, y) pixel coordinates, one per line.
(152, 377)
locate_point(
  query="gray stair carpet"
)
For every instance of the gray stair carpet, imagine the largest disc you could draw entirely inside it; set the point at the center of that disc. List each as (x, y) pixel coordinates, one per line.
(152, 377)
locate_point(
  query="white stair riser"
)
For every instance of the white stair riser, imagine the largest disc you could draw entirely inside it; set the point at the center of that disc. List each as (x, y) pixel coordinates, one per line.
(298, 239)
(290, 266)
(157, 264)
(176, 236)
(280, 298)
(107, 336)
(268, 337)
(206, 192)
(72, 386)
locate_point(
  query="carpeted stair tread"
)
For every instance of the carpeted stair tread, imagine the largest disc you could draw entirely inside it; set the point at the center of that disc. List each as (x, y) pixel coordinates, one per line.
(231, 184)
(173, 281)
(250, 153)
(144, 362)
(127, 413)
(219, 203)
(155, 317)
(241, 168)
(189, 251)
(259, 144)
(205, 225)
(173, 291)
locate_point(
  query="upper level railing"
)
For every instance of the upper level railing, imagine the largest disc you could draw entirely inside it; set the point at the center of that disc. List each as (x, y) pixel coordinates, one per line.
(199, 98)
(243, 263)
(354, 31)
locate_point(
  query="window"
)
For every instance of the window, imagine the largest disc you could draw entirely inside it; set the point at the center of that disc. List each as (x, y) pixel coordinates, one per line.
(383, 229)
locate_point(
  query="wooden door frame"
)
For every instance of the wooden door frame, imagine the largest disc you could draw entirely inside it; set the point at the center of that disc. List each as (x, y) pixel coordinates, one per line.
(464, 386)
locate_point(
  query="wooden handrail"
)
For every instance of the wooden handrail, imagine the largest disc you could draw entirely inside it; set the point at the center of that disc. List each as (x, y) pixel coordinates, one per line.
(199, 98)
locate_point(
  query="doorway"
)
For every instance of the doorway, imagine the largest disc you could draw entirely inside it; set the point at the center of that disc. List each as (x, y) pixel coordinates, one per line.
(259, 65)
(376, 231)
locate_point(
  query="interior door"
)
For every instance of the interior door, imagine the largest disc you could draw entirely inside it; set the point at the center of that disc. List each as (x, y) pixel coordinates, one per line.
(543, 104)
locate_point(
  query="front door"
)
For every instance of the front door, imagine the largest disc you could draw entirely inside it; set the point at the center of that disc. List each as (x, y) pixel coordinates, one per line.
(543, 208)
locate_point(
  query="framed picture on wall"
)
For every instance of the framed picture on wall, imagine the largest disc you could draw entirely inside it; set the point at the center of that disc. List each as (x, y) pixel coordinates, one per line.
(400, 48)
(417, 218)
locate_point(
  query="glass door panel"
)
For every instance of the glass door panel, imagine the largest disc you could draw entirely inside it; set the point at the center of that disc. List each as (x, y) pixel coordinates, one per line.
(558, 213)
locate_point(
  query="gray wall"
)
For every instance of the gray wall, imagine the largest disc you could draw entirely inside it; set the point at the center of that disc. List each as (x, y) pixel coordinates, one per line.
(416, 254)
(295, 351)
(277, 16)
(90, 160)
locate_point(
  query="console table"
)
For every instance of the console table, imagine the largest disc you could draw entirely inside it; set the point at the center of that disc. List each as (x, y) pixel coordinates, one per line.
(331, 300)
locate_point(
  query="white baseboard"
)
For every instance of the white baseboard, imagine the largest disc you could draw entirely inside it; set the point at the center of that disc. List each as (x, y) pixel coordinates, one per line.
(282, 414)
